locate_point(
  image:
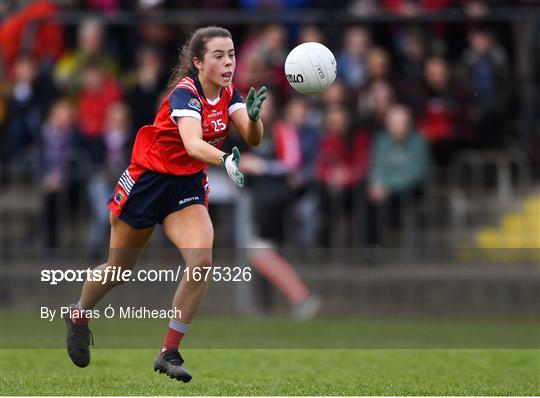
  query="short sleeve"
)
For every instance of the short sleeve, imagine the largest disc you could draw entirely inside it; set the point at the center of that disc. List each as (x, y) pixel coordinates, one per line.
(236, 102)
(184, 102)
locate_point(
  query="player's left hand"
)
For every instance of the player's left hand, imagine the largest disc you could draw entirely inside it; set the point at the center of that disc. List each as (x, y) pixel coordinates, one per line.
(230, 162)
(254, 102)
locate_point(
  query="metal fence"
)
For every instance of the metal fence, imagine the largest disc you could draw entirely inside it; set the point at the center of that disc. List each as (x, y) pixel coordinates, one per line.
(479, 188)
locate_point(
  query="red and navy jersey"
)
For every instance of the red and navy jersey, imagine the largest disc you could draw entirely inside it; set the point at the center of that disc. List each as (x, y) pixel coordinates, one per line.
(159, 147)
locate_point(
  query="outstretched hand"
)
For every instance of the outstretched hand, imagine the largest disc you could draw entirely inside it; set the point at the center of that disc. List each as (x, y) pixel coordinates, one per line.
(230, 162)
(254, 102)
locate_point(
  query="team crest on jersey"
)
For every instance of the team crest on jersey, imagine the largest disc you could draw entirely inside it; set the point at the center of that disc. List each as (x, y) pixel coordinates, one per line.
(195, 104)
(119, 196)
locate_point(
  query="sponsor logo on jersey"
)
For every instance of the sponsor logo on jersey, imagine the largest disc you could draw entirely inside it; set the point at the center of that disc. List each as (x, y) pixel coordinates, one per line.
(195, 104)
(216, 141)
(186, 200)
(215, 113)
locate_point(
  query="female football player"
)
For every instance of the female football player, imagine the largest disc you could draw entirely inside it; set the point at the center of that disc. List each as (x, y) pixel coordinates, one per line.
(165, 183)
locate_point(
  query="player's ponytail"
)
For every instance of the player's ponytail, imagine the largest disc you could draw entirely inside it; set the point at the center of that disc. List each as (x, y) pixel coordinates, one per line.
(195, 47)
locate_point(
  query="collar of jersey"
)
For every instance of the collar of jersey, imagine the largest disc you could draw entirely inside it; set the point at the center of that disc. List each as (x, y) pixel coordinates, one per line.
(201, 92)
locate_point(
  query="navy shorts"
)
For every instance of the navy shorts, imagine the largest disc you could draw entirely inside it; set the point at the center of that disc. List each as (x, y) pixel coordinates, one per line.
(143, 197)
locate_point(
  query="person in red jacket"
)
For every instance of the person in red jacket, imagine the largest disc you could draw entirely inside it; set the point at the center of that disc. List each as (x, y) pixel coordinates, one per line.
(47, 42)
(166, 183)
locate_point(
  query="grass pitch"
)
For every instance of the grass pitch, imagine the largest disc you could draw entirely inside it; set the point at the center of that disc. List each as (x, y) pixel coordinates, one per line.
(277, 372)
(278, 357)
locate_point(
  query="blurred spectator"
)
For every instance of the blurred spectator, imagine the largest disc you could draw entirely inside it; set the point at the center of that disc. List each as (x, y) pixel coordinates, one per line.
(378, 66)
(400, 164)
(269, 173)
(413, 8)
(145, 87)
(475, 8)
(411, 53)
(287, 133)
(57, 143)
(31, 30)
(25, 107)
(351, 61)
(261, 61)
(152, 32)
(253, 72)
(304, 182)
(274, 52)
(488, 75)
(363, 8)
(90, 49)
(444, 116)
(337, 94)
(117, 136)
(377, 93)
(98, 92)
(342, 164)
(117, 139)
(373, 105)
(250, 67)
(311, 33)
(104, 6)
(290, 174)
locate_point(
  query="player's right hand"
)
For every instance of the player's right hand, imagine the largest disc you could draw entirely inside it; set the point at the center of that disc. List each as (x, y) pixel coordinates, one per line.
(230, 162)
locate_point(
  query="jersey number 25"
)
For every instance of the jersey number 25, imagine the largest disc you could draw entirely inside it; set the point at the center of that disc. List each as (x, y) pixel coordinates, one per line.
(218, 125)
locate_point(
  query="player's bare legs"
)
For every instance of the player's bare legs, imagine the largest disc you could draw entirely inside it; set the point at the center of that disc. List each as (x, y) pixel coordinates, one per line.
(191, 231)
(127, 244)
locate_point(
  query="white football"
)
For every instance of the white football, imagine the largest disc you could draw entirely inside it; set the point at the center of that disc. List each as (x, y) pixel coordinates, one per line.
(310, 68)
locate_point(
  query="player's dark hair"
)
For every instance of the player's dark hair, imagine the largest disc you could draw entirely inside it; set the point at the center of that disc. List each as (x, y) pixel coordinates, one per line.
(195, 47)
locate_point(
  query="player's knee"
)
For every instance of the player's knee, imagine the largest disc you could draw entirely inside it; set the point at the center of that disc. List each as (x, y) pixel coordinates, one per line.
(199, 265)
(200, 262)
(198, 257)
